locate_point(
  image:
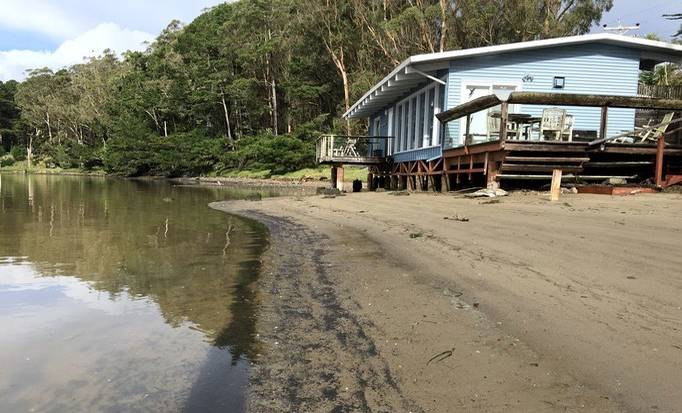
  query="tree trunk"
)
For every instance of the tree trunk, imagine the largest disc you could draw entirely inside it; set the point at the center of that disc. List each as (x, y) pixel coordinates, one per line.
(29, 149)
(49, 128)
(346, 96)
(443, 24)
(339, 62)
(227, 117)
(165, 129)
(273, 90)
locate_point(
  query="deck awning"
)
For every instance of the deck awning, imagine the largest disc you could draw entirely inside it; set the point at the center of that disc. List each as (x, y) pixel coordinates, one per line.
(421, 69)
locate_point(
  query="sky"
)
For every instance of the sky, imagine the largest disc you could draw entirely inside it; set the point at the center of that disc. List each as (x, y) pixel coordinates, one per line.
(59, 33)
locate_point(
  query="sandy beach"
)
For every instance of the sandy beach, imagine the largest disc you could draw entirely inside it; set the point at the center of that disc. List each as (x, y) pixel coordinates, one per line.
(439, 303)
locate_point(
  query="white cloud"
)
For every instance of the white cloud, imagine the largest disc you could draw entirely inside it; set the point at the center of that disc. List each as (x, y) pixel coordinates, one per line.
(14, 63)
(38, 17)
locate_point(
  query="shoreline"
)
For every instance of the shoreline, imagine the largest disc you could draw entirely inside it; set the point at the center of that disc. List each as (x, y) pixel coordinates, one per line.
(358, 300)
(199, 180)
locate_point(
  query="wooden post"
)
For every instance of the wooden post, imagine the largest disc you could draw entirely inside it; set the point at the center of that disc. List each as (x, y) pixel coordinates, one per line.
(504, 118)
(556, 185)
(603, 122)
(491, 174)
(370, 182)
(467, 135)
(339, 177)
(660, 150)
(333, 176)
(445, 180)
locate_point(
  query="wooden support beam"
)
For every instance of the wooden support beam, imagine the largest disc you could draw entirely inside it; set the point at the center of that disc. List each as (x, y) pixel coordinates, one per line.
(520, 167)
(560, 99)
(539, 159)
(504, 118)
(466, 171)
(333, 176)
(555, 190)
(603, 122)
(660, 149)
(467, 134)
(491, 174)
(339, 177)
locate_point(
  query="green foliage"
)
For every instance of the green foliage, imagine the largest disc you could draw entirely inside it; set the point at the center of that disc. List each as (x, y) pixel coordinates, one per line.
(279, 154)
(72, 155)
(6, 160)
(176, 155)
(18, 153)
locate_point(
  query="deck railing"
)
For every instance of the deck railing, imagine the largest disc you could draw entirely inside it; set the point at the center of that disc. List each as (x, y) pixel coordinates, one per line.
(660, 91)
(350, 149)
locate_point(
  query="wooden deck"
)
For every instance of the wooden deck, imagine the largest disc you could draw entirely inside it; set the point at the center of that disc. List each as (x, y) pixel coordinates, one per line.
(489, 163)
(520, 160)
(352, 150)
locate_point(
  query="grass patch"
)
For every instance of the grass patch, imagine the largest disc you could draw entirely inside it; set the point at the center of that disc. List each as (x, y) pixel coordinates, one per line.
(351, 173)
(246, 174)
(41, 169)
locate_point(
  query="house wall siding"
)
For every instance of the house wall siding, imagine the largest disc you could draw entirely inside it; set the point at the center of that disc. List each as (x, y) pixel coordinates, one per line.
(587, 69)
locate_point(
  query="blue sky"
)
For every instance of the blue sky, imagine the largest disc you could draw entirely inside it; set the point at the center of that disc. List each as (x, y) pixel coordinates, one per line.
(647, 13)
(58, 33)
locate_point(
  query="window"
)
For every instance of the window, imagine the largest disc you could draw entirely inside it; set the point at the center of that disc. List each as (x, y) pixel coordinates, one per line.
(559, 82)
(414, 119)
(413, 123)
(420, 129)
(403, 134)
(429, 116)
(398, 129)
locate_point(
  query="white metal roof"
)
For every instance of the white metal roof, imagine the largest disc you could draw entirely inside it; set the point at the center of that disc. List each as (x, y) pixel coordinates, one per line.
(410, 72)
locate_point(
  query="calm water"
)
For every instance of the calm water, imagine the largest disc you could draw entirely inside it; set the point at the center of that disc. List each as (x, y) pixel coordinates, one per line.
(120, 296)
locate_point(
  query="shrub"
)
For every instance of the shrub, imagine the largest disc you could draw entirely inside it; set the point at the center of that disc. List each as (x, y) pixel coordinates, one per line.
(279, 154)
(6, 160)
(71, 155)
(18, 153)
(2, 150)
(178, 154)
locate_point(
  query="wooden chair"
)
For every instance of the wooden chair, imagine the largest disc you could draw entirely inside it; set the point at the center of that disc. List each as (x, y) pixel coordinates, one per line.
(567, 131)
(553, 122)
(653, 134)
(493, 119)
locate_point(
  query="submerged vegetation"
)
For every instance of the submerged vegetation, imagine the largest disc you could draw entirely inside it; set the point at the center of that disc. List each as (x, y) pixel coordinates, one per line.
(248, 85)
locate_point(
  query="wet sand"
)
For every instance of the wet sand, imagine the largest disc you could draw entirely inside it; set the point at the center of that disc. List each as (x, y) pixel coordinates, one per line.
(532, 306)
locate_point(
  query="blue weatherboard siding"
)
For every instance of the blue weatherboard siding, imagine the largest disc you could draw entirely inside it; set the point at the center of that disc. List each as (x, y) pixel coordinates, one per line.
(588, 69)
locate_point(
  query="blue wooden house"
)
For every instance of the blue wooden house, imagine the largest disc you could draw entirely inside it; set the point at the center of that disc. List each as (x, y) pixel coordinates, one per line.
(405, 104)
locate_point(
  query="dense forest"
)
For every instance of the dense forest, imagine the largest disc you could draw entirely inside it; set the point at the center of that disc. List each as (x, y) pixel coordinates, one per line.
(249, 84)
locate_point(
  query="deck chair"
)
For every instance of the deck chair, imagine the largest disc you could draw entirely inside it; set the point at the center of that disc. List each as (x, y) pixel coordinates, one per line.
(567, 130)
(493, 120)
(349, 149)
(553, 122)
(493, 124)
(653, 134)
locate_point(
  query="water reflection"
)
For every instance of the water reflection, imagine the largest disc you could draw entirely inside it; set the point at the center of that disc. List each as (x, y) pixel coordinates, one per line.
(124, 295)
